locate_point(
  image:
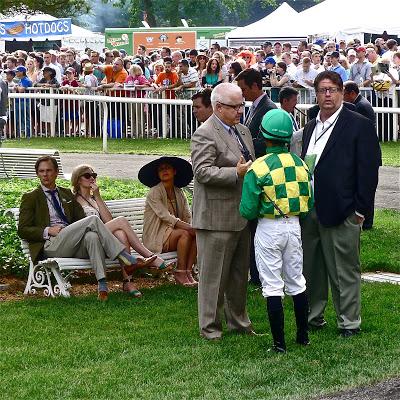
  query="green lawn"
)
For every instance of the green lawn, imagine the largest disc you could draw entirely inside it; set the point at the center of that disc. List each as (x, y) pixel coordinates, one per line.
(83, 145)
(391, 154)
(390, 151)
(150, 349)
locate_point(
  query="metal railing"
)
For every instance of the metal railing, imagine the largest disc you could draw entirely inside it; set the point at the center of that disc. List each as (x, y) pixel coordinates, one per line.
(143, 113)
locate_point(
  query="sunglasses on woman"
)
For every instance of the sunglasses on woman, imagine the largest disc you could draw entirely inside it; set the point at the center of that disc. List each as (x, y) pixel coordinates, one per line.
(89, 175)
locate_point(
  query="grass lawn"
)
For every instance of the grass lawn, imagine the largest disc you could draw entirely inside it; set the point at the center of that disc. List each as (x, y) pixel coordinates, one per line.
(129, 146)
(391, 154)
(150, 349)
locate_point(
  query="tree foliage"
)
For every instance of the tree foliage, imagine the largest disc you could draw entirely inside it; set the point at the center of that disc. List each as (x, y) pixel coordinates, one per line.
(205, 13)
(57, 8)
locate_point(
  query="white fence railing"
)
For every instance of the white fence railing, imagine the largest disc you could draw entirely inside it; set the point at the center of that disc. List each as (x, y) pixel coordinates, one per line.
(127, 113)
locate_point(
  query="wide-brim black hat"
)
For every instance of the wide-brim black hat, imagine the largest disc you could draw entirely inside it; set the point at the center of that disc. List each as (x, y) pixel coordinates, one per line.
(148, 174)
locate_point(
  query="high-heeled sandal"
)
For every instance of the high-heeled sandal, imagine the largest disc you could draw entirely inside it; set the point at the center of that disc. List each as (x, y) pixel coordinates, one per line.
(191, 278)
(179, 282)
(133, 292)
(140, 263)
(163, 266)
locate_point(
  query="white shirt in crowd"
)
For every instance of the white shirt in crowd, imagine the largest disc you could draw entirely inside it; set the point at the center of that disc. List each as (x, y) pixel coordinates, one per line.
(190, 77)
(301, 76)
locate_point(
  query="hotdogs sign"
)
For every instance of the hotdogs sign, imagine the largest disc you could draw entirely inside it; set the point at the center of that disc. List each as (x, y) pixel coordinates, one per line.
(24, 29)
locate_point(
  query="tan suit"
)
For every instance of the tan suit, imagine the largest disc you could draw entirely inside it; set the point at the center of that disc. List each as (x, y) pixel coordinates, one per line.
(222, 234)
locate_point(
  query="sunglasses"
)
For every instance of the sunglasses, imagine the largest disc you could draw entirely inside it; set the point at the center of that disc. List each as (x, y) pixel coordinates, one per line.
(89, 175)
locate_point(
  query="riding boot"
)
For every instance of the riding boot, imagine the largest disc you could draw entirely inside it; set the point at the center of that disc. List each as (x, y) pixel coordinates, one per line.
(276, 322)
(300, 303)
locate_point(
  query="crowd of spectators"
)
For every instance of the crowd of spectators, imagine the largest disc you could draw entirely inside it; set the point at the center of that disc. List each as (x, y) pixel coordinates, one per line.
(177, 74)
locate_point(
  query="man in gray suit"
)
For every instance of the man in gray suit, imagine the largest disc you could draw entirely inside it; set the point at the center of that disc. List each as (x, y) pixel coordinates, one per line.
(222, 151)
(3, 104)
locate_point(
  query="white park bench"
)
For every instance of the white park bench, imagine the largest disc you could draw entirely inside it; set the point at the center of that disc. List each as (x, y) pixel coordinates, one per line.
(53, 274)
(20, 163)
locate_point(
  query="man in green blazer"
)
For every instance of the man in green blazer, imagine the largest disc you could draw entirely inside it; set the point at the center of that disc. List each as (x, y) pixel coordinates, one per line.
(54, 224)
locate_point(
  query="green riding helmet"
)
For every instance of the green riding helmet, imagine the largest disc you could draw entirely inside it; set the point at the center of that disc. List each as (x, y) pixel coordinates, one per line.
(277, 125)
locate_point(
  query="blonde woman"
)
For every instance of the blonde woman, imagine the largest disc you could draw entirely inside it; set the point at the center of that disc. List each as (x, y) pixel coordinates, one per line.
(83, 181)
(220, 57)
(31, 72)
(136, 80)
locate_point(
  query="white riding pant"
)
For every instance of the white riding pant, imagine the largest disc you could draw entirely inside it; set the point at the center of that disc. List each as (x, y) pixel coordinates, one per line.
(279, 256)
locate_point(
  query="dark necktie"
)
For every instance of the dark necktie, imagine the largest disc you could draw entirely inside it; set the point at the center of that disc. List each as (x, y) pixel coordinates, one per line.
(242, 146)
(57, 205)
(249, 116)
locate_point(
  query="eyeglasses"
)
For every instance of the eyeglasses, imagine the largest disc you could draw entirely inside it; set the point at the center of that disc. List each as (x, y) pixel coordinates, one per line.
(89, 175)
(236, 107)
(331, 90)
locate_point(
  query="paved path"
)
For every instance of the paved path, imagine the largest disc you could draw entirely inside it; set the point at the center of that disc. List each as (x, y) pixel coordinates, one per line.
(128, 165)
(387, 390)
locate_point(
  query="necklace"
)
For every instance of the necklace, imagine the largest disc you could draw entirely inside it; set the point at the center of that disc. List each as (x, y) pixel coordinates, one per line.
(173, 202)
(87, 201)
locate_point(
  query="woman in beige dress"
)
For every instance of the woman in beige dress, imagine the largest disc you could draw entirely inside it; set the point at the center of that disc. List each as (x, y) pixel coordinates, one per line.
(167, 218)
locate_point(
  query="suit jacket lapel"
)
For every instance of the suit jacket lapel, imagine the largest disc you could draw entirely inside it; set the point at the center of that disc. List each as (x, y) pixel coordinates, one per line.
(43, 209)
(66, 203)
(226, 137)
(246, 140)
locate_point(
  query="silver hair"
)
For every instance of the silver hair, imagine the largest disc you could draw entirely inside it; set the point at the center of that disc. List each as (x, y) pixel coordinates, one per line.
(222, 92)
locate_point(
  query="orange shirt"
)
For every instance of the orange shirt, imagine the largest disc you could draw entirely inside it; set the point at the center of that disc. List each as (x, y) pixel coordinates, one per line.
(167, 79)
(114, 77)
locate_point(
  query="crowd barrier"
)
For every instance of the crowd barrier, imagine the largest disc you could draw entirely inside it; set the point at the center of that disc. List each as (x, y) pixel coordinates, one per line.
(144, 113)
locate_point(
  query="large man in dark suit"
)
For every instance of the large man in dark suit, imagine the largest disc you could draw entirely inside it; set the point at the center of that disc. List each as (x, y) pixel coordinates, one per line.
(250, 81)
(222, 151)
(342, 151)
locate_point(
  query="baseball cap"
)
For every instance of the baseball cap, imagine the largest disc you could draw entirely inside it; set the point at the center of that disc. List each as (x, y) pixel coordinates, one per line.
(351, 52)
(122, 51)
(277, 125)
(335, 54)
(270, 60)
(70, 69)
(20, 68)
(360, 48)
(84, 57)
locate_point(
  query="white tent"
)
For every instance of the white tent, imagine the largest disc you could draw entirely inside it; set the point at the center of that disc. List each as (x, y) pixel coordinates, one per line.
(345, 19)
(79, 38)
(281, 24)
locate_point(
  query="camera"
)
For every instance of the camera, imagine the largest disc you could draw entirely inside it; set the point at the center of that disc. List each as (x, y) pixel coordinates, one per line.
(383, 68)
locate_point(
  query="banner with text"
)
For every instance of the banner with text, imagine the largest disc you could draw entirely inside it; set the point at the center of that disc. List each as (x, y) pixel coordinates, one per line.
(32, 29)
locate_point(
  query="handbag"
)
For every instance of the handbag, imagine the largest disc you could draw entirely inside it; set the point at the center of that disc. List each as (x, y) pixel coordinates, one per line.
(381, 86)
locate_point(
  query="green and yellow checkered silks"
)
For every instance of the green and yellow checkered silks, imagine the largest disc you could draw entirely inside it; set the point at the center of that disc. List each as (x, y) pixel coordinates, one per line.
(285, 178)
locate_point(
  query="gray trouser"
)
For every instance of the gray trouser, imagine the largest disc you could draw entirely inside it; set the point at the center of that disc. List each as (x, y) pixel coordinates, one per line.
(333, 254)
(223, 260)
(86, 238)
